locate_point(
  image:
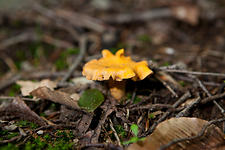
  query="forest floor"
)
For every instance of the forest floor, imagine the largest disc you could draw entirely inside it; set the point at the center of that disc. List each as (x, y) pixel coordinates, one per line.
(183, 42)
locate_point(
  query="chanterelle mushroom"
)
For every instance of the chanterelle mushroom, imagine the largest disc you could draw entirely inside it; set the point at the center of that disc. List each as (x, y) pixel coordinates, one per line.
(115, 68)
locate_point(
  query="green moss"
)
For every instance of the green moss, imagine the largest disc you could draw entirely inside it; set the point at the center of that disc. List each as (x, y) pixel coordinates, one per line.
(60, 145)
(3, 132)
(144, 38)
(9, 146)
(5, 135)
(166, 64)
(136, 99)
(65, 136)
(182, 83)
(120, 130)
(43, 114)
(47, 137)
(24, 123)
(151, 116)
(52, 106)
(12, 134)
(62, 142)
(14, 90)
(20, 57)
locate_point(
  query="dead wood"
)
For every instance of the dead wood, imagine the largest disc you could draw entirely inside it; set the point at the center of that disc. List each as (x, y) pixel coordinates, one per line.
(55, 96)
(18, 108)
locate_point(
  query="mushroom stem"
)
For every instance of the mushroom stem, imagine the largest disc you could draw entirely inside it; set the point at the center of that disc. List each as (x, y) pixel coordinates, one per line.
(117, 88)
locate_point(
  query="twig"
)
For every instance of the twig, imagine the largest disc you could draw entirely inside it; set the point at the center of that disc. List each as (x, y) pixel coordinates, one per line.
(58, 126)
(166, 85)
(83, 47)
(11, 98)
(184, 78)
(103, 145)
(211, 98)
(58, 21)
(152, 107)
(84, 123)
(114, 132)
(107, 107)
(134, 94)
(56, 96)
(46, 74)
(10, 81)
(143, 16)
(209, 94)
(16, 39)
(193, 137)
(182, 99)
(193, 72)
(166, 114)
(186, 111)
(16, 138)
(33, 75)
(20, 109)
(84, 20)
(31, 36)
(174, 66)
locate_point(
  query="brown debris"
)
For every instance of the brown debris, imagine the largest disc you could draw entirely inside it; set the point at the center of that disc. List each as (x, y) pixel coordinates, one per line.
(55, 96)
(18, 108)
(178, 128)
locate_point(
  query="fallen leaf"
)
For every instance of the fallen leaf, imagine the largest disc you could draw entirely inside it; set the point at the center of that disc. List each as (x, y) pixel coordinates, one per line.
(28, 86)
(183, 127)
(82, 81)
(91, 99)
(187, 13)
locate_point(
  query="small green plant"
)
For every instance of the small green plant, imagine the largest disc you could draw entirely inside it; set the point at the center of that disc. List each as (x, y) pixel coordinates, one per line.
(135, 138)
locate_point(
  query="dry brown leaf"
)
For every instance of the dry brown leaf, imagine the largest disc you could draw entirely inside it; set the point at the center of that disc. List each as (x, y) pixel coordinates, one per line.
(56, 96)
(28, 86)
(82, 81)
(187, 13)
(168, 78)
(183, 127)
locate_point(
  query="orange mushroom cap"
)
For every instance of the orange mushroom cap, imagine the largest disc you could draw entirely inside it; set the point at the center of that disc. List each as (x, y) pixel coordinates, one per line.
(117, 66)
